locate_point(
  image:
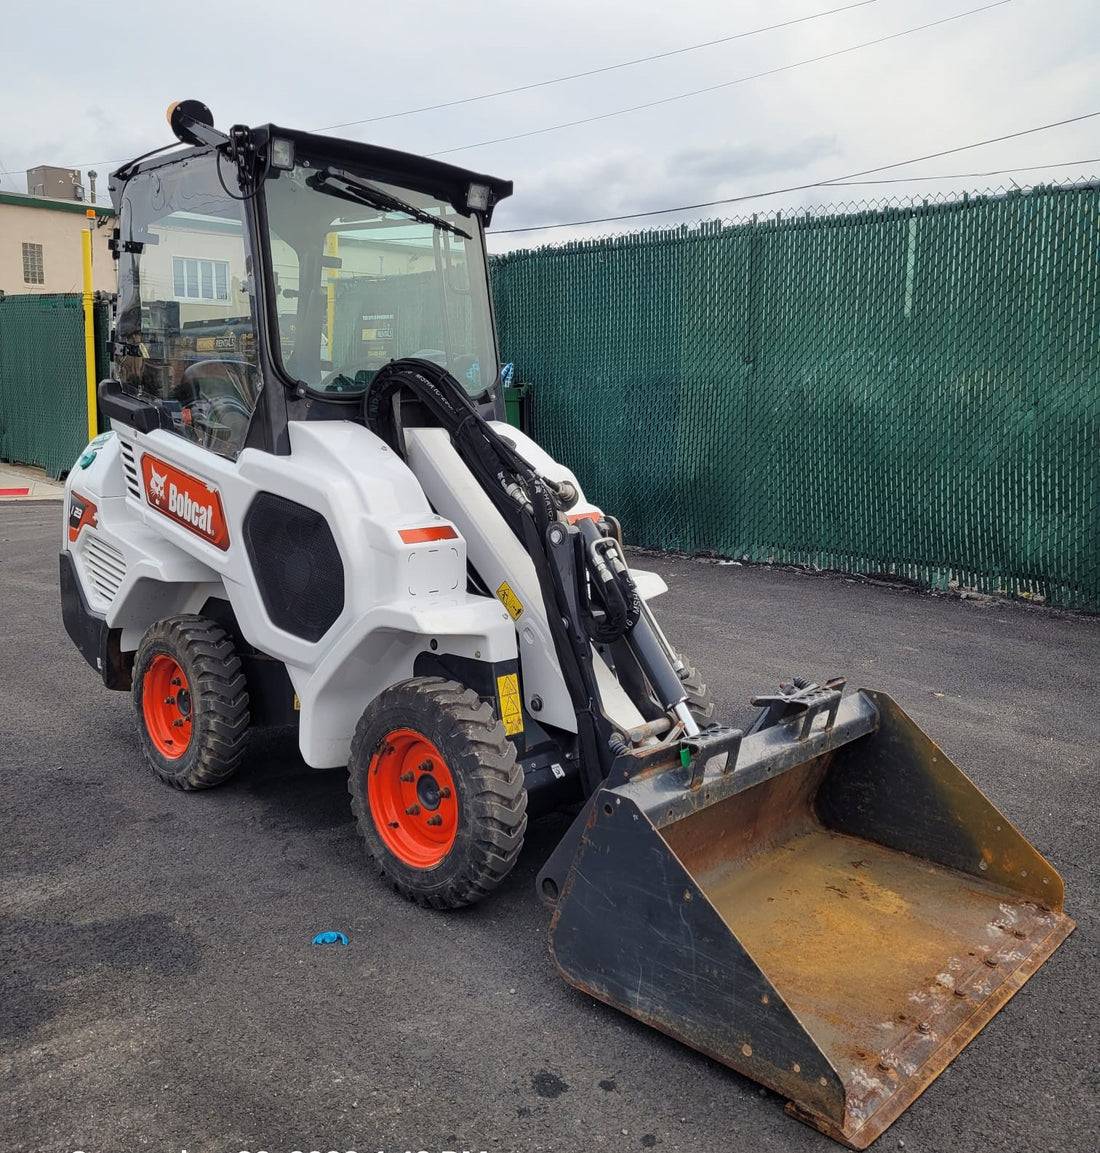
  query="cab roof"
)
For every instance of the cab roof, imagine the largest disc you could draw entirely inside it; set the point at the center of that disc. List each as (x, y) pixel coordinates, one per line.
(406, 169)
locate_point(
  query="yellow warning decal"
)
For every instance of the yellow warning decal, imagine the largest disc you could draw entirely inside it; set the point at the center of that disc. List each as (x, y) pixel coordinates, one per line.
(511, 709)
(510, 601)
(297, 704)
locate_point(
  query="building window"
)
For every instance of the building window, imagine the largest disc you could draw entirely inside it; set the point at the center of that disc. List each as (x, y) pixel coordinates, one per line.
(200, 279)
(32, 264)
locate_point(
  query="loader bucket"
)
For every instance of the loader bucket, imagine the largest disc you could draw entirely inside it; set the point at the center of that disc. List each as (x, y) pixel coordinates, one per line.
(835, 918)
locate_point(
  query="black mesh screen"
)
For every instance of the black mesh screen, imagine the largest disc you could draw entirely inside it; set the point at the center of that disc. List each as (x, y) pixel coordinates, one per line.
(296, 564)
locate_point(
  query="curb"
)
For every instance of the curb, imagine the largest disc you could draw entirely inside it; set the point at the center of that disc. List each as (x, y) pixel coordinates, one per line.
(26, 482)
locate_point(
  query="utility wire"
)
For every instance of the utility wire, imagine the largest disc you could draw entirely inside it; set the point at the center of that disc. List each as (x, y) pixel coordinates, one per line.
(594, 71)
(725, 84)
(649, 104)
(86, 164)
(542, 83)
(799, 187)
(958, 175)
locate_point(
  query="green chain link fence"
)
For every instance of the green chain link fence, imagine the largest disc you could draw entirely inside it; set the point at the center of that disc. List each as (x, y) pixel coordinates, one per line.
(912, 390)
(43, 405)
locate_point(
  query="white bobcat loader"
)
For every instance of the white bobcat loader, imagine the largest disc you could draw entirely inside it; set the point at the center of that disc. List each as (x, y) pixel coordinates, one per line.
(307, 513)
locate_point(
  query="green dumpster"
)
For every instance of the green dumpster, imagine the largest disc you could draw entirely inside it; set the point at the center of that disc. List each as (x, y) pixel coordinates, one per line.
(515, 405)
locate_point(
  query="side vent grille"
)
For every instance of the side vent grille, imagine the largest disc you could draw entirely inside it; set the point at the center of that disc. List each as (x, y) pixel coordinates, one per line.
(296, 564)
(129, 469)
(105, 567)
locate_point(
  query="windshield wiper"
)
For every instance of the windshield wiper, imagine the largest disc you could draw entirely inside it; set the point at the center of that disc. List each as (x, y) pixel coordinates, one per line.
(337, 182)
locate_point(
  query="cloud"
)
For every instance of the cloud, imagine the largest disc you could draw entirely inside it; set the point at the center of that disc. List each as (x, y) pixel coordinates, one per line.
(636, 181)
(71, 100)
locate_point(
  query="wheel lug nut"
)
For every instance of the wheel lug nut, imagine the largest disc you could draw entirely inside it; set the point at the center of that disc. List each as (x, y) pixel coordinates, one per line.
(169, 700)
(436, 820)
(413, 811)
(176, 682)
(178, 724)
(407, 776)
(425, 766)
(445, 792)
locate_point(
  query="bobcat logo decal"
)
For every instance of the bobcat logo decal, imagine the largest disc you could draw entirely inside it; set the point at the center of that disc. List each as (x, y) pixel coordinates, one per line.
(189, 501)
(156, 483)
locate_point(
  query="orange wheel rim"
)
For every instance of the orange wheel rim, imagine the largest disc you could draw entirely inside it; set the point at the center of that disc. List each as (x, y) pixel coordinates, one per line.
(167, 707)
(412, 798)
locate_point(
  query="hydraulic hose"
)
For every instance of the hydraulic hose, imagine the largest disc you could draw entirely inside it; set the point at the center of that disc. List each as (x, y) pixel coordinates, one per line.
(530, 504)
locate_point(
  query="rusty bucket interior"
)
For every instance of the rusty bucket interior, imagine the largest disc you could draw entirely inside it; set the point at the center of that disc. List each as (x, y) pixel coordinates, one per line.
(838, 927)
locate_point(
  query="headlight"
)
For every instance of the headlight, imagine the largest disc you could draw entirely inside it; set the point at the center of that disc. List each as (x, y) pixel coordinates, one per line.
(477, 197)
(282, 153)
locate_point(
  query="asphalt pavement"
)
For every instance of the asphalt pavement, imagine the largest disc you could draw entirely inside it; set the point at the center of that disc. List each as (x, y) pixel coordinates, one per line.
(158, 989)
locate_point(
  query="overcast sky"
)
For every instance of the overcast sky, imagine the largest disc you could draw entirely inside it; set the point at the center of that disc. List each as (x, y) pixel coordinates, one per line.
(87, 87)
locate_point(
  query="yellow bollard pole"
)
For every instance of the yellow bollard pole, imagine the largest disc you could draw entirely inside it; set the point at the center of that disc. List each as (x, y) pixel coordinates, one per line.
(89, 327)
(332, 248)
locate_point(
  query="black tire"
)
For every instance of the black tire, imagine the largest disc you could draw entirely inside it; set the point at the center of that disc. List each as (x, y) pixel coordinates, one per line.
(190, 657)
(698, 696)
(477, 789)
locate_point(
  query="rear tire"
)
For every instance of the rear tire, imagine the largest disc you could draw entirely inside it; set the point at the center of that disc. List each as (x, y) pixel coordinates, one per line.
(437, 792)
(699, 699)
(191, 701)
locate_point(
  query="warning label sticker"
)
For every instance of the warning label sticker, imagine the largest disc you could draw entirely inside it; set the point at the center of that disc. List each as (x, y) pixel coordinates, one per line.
(510, 601)
(511, 708)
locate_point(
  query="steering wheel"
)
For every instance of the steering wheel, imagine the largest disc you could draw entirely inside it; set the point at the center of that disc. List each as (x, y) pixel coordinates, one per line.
(348, 371)
(217, 421)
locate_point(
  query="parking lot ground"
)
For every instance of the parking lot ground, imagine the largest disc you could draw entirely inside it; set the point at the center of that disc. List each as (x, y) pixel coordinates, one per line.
(160, 991)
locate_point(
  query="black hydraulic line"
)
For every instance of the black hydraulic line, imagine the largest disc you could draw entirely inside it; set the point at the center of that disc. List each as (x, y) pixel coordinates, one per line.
(614, 584)
(529, 505)
(626, 618)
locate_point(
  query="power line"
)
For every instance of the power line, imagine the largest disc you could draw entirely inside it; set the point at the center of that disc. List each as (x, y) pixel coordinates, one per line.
(594, 71)
(799, 187)
(86, 164)
(840, 183)
(725, 84)
(540, 83)
(958, 175)
(649, 104)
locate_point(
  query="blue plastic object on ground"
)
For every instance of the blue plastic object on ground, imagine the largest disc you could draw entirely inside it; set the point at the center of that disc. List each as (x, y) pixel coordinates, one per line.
(330, 938)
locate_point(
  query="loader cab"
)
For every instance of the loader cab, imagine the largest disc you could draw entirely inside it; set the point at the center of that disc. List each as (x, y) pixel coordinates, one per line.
(267, 280)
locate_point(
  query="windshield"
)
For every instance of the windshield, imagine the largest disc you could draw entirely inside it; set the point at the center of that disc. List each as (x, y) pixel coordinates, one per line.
(366, 272)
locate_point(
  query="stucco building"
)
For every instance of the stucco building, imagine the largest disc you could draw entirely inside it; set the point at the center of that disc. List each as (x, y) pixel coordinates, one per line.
(40, 245)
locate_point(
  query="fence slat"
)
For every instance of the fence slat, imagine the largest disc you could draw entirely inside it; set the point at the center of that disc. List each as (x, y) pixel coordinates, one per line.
(43, 416)
(911, 390)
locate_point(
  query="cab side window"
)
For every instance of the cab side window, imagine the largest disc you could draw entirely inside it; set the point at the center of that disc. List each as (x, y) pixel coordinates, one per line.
(185, 332)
